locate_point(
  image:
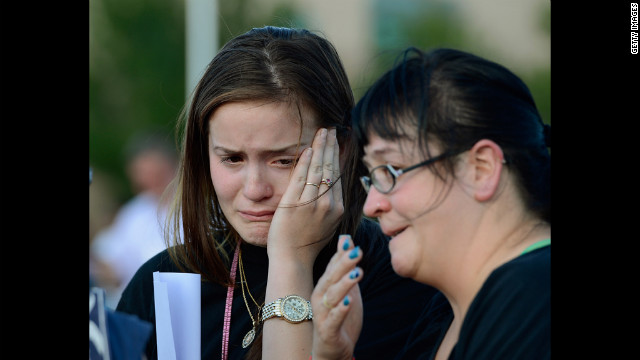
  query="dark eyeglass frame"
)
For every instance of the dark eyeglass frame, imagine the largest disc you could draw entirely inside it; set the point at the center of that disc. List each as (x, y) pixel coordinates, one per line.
(367, 182)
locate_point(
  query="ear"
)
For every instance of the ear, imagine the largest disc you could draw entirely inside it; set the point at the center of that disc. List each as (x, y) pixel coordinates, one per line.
(486, 160)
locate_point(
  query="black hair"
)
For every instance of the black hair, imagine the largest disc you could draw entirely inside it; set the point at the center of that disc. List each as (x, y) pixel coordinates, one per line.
(455, 99)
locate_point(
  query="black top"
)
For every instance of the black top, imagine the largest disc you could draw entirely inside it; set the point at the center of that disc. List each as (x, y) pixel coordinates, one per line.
(510, 317)
(390, 302)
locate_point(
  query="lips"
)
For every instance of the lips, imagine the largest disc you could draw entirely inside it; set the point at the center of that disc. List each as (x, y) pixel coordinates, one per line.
(393, 232)
(266, 215)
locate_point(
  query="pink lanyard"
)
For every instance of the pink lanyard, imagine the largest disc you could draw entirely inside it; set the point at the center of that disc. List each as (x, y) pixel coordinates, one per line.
(227, 309)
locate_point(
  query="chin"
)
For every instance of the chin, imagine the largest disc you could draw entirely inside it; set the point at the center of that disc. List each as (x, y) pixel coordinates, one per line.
(401, 265)
(254, 235)
(255, 238)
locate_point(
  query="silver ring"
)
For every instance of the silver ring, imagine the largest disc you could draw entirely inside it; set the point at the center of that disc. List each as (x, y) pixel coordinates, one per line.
(316, 185)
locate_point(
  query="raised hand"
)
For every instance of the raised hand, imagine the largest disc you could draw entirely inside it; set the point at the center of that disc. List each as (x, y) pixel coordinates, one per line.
(311, 207)
(305, 221)
(337, 305)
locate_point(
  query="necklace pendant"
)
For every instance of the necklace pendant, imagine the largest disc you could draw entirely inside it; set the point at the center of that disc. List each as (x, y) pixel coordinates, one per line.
(248, 339)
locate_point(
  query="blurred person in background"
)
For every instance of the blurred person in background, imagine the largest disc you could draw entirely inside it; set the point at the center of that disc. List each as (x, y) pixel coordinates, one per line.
(113, 335)
(267, 182)
(459, 175)
(135, 234)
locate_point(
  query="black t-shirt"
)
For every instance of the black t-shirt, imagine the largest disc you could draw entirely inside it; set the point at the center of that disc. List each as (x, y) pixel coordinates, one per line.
(390, 302)
(510, 317)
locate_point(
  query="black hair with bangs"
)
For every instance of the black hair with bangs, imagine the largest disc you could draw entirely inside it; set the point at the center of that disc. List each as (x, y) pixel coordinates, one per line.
(454, 99)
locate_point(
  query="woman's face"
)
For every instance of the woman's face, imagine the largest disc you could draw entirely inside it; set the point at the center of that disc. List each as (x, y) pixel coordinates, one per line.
(252, 149)
(421, 214)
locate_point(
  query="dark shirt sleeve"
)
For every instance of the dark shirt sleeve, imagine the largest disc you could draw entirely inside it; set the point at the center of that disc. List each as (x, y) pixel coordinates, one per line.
(510, 318)
(391, 303)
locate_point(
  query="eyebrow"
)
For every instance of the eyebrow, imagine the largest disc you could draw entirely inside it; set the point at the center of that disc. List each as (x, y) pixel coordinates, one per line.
(377, 153)
(283, 150)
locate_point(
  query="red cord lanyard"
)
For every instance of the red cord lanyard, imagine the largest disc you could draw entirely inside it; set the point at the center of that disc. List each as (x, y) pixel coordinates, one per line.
(227, 309)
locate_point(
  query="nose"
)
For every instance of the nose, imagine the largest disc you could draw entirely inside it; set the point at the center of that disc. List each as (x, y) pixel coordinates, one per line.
(376, 203)
(257, 186)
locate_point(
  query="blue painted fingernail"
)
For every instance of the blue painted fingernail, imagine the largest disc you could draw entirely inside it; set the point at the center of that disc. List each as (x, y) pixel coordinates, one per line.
(345, 246)
(354, 274)
(354, 253)
(346, 301)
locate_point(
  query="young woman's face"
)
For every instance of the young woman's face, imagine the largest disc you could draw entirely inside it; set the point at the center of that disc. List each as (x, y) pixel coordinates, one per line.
(252, 150)
(421, 213)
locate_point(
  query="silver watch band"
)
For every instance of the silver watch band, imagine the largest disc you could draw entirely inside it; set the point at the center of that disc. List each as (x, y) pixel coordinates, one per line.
(274, 309)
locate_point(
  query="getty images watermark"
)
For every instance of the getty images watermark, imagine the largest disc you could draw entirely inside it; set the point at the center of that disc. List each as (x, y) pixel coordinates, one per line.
(634, 28)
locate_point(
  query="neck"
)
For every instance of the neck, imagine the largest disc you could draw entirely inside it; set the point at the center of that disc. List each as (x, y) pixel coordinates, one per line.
(472, 274)
(490, 246)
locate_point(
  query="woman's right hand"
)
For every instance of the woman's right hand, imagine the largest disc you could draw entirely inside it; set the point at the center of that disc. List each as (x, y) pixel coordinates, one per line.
(305, 221)
(337, 305)
(308, 215)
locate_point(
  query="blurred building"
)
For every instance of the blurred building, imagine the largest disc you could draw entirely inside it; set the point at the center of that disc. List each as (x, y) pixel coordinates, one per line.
(514, 33)
(517, 33)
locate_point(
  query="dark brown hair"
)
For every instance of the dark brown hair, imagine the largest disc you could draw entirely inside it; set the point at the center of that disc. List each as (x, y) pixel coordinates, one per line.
(270, 64)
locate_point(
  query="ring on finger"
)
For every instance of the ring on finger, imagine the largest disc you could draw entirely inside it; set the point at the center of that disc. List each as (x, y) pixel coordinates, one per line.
(324, 302)
(326, 181)
(316, 185)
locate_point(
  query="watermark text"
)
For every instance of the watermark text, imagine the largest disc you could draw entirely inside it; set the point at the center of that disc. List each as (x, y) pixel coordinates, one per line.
(634, 28)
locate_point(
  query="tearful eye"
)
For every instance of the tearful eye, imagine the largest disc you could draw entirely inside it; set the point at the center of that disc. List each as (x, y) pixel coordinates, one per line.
(230, 159)
(288, 162)
(285, 161)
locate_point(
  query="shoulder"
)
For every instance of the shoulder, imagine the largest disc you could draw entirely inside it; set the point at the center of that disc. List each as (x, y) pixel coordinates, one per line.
(140, 203)
(139, 291)
(511, 314)
(528, 274)
(522, 284)
(162, 261)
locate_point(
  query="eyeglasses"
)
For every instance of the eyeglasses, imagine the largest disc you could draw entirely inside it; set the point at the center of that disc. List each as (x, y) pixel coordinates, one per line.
(383, 177)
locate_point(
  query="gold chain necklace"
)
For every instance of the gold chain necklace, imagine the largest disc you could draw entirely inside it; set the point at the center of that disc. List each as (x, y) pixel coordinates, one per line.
(251, 335)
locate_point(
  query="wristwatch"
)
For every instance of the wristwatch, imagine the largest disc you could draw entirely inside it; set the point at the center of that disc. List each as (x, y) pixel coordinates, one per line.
(292, 308)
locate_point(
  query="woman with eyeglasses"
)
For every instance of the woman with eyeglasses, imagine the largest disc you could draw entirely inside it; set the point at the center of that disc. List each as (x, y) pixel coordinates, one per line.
(459, 178)
(266, 184)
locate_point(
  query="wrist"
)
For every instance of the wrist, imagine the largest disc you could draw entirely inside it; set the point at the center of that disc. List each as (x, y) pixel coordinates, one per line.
(289, 277)
(291, 259)
(295, 250)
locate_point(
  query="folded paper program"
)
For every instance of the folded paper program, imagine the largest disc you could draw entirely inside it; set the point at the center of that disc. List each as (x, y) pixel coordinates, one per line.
(177, 306)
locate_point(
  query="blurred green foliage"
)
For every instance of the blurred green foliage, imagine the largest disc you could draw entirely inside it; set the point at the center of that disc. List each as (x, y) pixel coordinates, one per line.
(137, 71)
(136, 77)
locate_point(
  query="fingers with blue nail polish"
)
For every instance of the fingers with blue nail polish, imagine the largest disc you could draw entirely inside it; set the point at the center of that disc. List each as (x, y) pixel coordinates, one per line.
(346, 242)
(345, 302)
(354, 273)
(354, 253)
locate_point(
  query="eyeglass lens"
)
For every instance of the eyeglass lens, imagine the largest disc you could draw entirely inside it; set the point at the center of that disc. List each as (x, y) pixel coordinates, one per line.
(382, 178)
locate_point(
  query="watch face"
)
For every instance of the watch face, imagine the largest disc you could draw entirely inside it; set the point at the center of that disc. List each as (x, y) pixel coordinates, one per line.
(295, 308)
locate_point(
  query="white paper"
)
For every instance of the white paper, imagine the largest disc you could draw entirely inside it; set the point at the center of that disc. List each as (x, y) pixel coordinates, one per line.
(177, 305)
